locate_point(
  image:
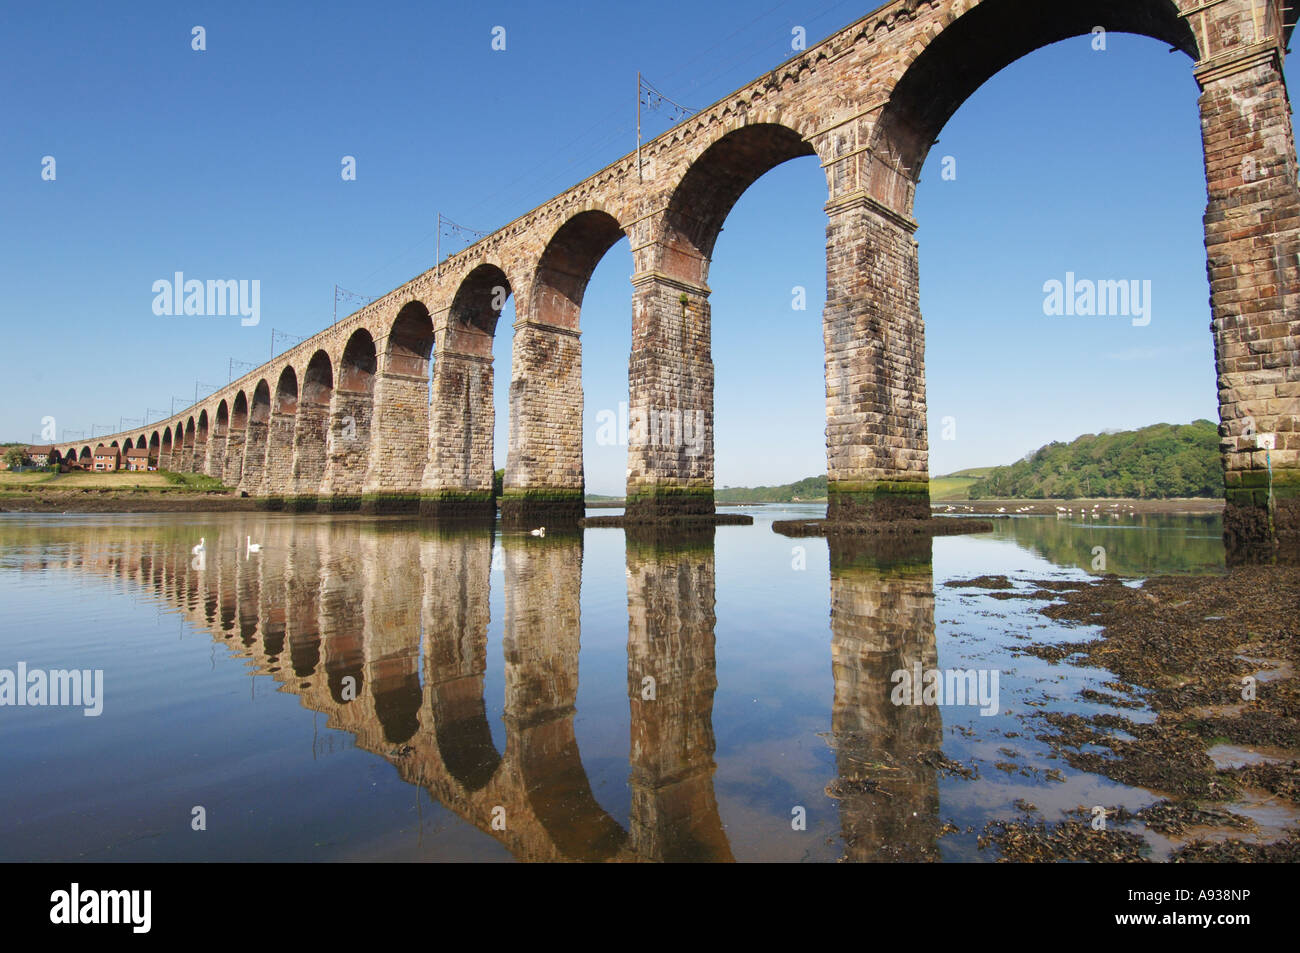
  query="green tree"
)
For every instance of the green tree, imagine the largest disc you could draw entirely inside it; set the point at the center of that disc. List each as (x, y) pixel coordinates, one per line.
(15, 457)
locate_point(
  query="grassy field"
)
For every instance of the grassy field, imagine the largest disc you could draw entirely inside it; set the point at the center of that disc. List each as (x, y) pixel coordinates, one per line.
(956, 486)
(107, 481)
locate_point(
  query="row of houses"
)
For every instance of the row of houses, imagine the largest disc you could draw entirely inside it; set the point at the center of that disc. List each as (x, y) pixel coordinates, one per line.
(102, 460)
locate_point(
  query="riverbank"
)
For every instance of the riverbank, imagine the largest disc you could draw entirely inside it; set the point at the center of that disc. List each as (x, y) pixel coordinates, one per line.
(1201, 506)
(91, 500)
(1214, 659)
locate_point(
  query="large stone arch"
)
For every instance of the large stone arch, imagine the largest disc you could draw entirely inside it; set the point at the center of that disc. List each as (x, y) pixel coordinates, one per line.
(350, 418)
(311, 430)
(458, 478)
(255, 438)
(277, 474)
(939, 76)
(400, 424)
(544, 479)
(876, 432)
(670, 373)
(216, 460)
(201, 434)
(187, 448)
(236, 437)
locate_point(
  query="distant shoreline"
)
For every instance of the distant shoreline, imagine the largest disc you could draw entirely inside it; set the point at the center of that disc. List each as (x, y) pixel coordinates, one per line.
(181, 501)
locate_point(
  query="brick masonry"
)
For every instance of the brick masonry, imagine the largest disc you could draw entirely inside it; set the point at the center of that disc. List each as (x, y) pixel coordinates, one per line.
(868, 102)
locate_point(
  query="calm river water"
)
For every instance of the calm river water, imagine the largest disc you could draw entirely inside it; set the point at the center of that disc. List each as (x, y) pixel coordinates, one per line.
(360, 689)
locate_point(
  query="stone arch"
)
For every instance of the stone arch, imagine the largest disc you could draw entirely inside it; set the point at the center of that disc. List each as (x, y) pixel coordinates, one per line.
(255, 438)
(278, 472)
(402, 393)
(544, 477)
(350, 418)
(670, 374)
(969, 51)
(311, 429)
(410, 342)
(458, 478)
(141, 441)
(187, 447)
(201, 434)
(478, 302)
(710, 188)
(286, 392)
(236, 440)
(85, 453)
(566, 266)
(129, 444)
(216, 457)
(358, 364)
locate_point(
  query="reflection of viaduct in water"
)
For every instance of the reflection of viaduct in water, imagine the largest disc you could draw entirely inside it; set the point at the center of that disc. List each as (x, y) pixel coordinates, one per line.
(882, 620)
(383, 628)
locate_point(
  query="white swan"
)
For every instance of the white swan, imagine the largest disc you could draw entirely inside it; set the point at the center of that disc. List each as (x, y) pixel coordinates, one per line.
(250, 546)
(540, 531)
(200, 548)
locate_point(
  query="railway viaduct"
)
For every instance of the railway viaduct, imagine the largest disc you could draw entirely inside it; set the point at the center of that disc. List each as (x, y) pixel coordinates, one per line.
(391, 407)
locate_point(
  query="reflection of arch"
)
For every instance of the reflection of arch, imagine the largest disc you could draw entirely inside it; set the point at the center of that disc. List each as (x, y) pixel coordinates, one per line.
(542, 627)
(397, 704)
(969, 51)
(882, 623)
(559, 792)
(463, 732)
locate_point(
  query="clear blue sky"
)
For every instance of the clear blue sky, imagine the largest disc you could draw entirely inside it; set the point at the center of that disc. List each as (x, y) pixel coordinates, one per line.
(225, 163)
